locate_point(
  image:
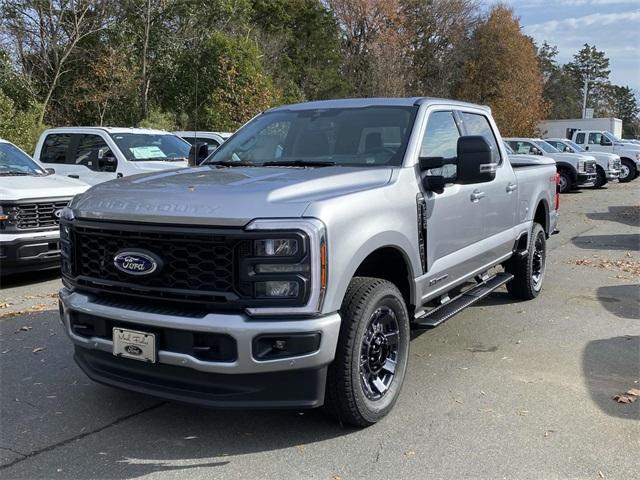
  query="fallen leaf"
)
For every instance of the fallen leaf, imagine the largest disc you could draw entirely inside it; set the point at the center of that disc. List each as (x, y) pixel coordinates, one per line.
(522, 413)
(600, 474)
(5, 305)
(24, 328)
(37, 349)
(629, 397)
(409, 453)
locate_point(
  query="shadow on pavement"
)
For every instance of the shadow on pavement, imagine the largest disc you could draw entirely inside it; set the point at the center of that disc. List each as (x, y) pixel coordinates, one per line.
(28, 278)
(623, 241)
(47, 403)
(628, 215)
(610, 367)
(621, 300)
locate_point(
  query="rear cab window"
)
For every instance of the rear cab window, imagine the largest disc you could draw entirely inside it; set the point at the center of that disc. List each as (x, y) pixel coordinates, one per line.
(580, 138)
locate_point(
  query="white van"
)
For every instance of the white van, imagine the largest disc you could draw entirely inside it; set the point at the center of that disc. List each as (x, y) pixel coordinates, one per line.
(31, 200)
(98, 154)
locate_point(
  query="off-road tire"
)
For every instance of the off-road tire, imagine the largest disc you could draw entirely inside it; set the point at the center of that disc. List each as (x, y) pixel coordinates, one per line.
(524, 285)
(345, 397)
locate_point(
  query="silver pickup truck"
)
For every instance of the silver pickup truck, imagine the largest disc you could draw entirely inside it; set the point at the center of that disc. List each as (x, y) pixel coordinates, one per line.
(289, 269)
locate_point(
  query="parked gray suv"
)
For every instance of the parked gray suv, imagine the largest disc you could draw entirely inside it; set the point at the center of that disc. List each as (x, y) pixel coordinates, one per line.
(288, 270)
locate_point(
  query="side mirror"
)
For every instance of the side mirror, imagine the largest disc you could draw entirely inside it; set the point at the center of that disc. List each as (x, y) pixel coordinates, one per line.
(198, 152)
(50, 171)
(433, 183)
(604, 141)
(107, 164)
(475, 160)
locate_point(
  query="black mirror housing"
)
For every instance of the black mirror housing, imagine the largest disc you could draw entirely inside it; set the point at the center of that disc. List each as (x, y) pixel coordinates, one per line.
(427, 163)
(433, 183)
(475, 160)
(197, 153)
(50, 171)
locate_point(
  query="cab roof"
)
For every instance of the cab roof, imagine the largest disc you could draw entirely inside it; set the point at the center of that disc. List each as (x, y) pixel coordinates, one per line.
(134, 130)
(375, 102)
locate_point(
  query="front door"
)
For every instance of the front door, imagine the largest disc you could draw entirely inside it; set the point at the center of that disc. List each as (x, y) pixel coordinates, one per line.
(454, 217)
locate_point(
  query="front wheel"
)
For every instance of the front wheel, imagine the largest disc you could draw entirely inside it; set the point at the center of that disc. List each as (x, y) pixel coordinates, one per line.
(601, 178)
(366, 376)
(564, 182)
(528, 271)
(627, 171)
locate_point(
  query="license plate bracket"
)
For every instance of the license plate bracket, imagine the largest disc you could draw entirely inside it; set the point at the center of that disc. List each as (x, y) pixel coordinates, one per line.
(134, 344)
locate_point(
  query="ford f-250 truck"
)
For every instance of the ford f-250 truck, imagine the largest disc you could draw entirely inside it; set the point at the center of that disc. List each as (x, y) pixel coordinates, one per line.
(599, 141)
(289, 269)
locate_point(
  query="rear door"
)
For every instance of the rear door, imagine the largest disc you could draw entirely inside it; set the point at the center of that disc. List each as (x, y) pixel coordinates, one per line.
(454, 219)
(500, 203)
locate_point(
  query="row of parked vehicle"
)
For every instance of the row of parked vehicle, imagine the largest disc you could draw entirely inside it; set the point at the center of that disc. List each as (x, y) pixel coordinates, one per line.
(289, 267)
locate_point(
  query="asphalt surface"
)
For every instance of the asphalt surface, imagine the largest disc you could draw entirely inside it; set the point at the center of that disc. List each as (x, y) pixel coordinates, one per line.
(504, 390)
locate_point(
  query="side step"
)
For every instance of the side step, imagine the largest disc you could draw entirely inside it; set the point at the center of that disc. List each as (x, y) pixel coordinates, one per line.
(444, 312)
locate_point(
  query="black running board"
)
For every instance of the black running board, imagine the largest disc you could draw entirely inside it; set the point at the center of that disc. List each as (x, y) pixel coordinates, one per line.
(441, 314)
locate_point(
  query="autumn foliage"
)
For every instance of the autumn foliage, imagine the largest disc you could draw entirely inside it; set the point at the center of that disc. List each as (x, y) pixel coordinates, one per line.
(502, 71)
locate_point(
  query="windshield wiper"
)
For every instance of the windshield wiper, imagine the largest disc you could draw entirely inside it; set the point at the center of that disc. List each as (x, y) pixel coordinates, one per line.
(298, 163)
(232, 163)
(14, 172)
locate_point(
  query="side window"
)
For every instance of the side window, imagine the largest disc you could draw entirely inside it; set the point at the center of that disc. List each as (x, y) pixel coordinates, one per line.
(477, 124)
(94, 153)
(55, 148)
(595, 138)
(580, 138)
(441, 140)
(523, 148)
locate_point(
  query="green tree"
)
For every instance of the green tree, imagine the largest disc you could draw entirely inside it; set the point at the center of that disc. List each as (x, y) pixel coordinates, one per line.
(561, 89)
(300, 40)
(502, 71)
(623, 104)
(21, 127)
(590, 69)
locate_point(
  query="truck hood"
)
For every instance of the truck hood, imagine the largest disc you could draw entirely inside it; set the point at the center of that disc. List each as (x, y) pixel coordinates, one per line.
(211, 195)
(603, 156)
(571, 157)
(522, 160)
(34, 187)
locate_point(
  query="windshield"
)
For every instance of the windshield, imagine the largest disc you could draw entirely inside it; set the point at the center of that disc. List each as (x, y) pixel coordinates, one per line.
(140, 147)
(14, 161)
(574, 145)
(612, 137)
(370, 136)
(546, 147)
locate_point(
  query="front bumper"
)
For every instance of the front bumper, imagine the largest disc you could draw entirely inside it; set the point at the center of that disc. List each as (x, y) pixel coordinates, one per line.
(612, 174)
(586, 179)
(29, 251)
(244, 382)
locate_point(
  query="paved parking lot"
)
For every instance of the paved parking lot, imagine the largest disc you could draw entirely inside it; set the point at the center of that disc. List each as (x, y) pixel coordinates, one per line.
(505, 389)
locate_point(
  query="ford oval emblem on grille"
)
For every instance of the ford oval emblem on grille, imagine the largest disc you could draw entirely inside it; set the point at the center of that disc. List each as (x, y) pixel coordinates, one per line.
(136, 262)
(57, 213)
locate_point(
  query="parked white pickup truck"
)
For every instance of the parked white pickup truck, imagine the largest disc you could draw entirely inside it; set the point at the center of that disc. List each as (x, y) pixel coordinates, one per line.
(212, 139)
(31, 200)
(575, 170)
(607, 164)
(599, 141)
(98, 154)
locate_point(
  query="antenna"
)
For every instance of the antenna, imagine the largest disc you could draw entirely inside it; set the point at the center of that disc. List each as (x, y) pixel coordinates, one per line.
(195, 122)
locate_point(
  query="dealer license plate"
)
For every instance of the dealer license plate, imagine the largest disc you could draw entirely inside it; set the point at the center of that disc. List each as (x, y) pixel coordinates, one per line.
(134, 344)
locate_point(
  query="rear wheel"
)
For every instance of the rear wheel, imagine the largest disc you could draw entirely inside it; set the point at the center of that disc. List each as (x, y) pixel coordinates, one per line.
(601, 178)
(565, 181)
(365, 378)
(627, 171)
(528, 271)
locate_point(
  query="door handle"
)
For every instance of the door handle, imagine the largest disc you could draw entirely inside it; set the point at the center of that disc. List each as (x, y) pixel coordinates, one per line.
(73, 176)
(119, 175)
(512, 187)
(477, 195)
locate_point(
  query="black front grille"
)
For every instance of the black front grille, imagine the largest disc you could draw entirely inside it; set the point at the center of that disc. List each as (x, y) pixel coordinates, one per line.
(590, 167)
(36, 215)
(197, 263)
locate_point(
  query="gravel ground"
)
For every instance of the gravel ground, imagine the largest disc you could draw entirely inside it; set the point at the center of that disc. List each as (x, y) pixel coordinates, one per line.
(505, 389)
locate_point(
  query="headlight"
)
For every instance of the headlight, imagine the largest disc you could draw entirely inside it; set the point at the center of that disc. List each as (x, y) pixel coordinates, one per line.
(285, 270)
(581, 166)
(276, 247)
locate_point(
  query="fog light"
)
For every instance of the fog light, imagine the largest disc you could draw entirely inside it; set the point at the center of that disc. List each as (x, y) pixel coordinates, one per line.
(276, 247)
(277, 289)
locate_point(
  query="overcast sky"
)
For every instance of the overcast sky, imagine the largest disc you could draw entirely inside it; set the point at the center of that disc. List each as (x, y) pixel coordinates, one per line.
(613, 26)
